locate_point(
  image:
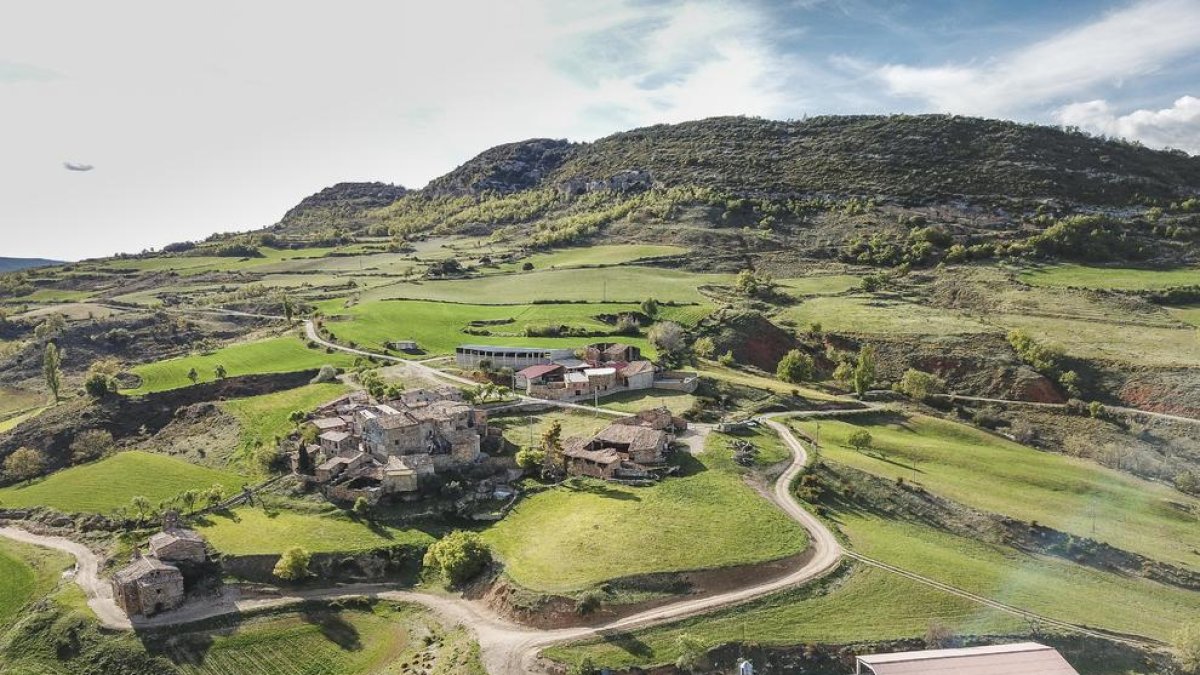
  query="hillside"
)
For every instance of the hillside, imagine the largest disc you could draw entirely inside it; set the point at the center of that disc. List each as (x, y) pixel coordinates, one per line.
(17, 264)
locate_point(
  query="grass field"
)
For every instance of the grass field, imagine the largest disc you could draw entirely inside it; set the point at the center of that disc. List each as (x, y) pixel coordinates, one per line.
(518, 429)
(1046, 585)
(1128, 343)
(610, 254)
(586, 531)
(630, 284)
(357, 641)
(273, 355)
(27, 573)
(253, 531)
(716, 371)
(633, 401)
(996, 475)
(868, 604)
(13, 399)
(438, 327)
(858, 314)
(264, 417)
(824, 284)
(1186, 314)
(1114, 278)
(103, 486)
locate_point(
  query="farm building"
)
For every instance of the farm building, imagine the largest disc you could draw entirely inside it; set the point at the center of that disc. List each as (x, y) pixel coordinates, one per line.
(631, 447)
(176, 544)
(404, 345)
(1024, 658)
(147, 586)
(581, 460)
(470, 356)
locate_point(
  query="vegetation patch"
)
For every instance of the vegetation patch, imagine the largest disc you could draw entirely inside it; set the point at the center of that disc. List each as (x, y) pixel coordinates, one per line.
(264, 418)
(27, 574)
(110, 484)
(250, 531)
(1111, 278)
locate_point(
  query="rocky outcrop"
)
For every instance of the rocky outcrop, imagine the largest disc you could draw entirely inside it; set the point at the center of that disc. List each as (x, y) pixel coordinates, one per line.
(505, 168)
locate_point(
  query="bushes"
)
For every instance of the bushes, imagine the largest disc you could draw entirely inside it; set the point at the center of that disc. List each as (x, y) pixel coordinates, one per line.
(795, 367)
(459, 556)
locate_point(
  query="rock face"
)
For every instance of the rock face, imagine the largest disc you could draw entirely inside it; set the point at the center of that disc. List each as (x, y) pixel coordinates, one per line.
(340, 204)
(753, 339)
(505, 168)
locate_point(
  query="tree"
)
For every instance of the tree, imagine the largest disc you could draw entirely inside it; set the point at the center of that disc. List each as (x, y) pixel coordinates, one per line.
(692, 654)
(919, 385)
(214, 495)
(97, 385)
(552, 444)
(795, 367)
(530, 458)
(458, 556)
(704, 347)
(864, 370)
(193, 375)
(297, 416)
(24, 464)
(327, 374)
(860, 440)
(362, 507)
(526, 266)
(90, 444)
(189, 499)
(52, 369)
(293, 564)
(650, 307)
(289, 310)
(141, 505)
(1186, 642)
(667, 337)
(219, 371)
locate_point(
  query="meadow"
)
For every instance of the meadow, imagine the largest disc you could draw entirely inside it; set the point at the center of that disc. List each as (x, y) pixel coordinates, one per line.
(249, 531)
(282, 354)
(264, 417)
(520, 429)
(586, 532)
(592, 256)
(1190, 315)
(874, 315)
(997, 475)
(632, 401)
(438, 327)
(1111, 278)
(27, 574)
(110, 483)
(1145, 345)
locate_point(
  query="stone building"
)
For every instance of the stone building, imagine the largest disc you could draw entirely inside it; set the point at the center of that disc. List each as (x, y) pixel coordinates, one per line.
(634, 447)
(147, 586)
(176, 544)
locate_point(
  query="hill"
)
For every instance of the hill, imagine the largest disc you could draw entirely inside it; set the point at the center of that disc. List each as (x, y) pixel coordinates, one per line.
(17, 264)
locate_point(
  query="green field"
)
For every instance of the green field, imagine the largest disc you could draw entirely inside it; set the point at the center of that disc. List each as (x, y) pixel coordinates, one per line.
(1114, 278)
(250, 531)
(996, 475)
(13, 400)
(273, 355)
(262, 418)
(1186, 314)
(867, 605)
(628, 284)
(27, 573)
(632, 401)
(1113, 341)
(586, 531)
(318, 641)
(519, 429)
(606, 254)
(109, 484)
(820, 284)
(11, 422)
(859, 314)
(438, 327)
(1046, 585)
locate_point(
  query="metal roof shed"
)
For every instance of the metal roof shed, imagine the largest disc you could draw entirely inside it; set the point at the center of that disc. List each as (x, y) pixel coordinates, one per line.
(1022, 658)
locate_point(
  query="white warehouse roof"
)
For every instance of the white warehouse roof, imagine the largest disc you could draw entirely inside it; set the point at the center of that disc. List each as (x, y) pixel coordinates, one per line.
(1022, 658)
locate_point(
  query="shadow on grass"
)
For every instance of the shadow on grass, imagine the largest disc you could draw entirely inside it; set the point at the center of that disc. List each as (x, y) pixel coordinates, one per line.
(334, 628)
(601, 489)
(628, 643)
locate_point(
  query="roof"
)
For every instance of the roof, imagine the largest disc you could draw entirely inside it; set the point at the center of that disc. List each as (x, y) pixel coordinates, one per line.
(637, 368)
(142, 566)
(599, 372)
(636, 437)
(173, 535)
(572, 364)
(577, 377)
(335, 436)
(501, 348)
(1022, 658)
(578, 448)
(616, 348)
(327, 423)
(396, 465)
(538, 371)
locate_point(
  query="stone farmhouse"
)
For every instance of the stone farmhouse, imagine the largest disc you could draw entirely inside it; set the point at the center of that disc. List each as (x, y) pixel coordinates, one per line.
(377, 450)
(557, 374)
(634, 448)
(153, 582)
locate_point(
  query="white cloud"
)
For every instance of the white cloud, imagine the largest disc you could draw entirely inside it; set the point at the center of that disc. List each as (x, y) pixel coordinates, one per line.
(1174, 127)
(1124, 44)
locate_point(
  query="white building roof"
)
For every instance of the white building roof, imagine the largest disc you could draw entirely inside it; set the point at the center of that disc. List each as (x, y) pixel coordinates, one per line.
(599, 372)
(576, 378)
(1022, 658)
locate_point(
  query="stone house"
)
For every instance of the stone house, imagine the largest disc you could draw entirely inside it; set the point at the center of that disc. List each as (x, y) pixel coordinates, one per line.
(636, 375)
(147, 586)
(581, 460)
(612, 352)
(176, 544)
(642, 445)
(336, 466)
(336, 442)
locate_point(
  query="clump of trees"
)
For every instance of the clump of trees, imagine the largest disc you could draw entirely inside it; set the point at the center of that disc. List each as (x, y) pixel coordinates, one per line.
(1047, 359)
(920, 385)
(24, 464)
(795, 367)
(459, 556)
(669, 339)
(293, 564)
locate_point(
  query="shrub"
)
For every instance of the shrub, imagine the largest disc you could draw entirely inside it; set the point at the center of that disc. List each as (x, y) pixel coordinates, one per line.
(293, 564)
(458, 556)
(326, 374)
(530, 458)
(795, 367)
(919, 385)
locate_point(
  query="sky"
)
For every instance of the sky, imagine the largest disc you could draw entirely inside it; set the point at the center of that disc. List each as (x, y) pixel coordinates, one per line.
(218, 116)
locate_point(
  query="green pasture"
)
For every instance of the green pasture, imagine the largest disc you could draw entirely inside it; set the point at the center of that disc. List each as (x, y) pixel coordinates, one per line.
(264, 417)
(273, 355)
(864, 604)
(1186, 314)
(1122, 342)
(518, 429)
(629, 284)
(438, 326)
(27, 574)
(109, 484)
(586, 531)
(632, 401)
(607, 254)
(11, 422)
(996, 475)
(820, 284)
(1111, 278)
(250, 531)
(14, 399)
(876, 315)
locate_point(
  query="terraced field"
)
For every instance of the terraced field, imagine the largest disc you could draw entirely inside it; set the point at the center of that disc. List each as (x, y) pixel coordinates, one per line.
(109, 484)
(996, 475)
(1113, 278)
(262, 418)
(251, 531)
(592, 256)
(871, 315)
(586, 531)
(273, 355)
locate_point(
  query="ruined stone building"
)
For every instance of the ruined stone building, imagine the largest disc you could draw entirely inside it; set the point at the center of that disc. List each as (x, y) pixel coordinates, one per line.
(630, 447)
(152, 583)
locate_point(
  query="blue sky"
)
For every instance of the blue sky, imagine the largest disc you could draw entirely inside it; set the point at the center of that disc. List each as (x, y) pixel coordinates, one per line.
(221, 115)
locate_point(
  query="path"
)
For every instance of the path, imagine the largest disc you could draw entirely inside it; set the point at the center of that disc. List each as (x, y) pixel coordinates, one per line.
(1059, 406)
